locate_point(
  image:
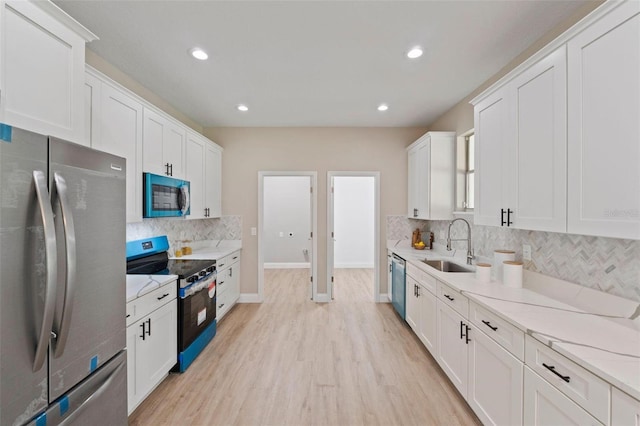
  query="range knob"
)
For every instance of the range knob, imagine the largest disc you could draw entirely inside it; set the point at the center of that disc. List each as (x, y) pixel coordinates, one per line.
(192, 278)
(202, 273)
(211, 268)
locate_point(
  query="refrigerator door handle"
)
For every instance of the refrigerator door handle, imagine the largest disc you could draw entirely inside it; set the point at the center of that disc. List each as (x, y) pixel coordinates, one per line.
(48, 226)
(59, 192)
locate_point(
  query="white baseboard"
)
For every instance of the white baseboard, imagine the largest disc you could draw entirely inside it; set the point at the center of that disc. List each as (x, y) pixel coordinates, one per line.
(353, 265)
(249, 298)
(322, 298)
(287, 265)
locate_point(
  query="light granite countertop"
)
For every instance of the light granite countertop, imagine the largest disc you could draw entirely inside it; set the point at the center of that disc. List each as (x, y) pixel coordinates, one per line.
(607, 348)
(139, 285)
(212, 249)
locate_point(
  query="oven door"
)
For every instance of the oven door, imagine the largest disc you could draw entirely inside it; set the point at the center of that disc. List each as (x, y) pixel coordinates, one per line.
(196, 310)
(165, 196)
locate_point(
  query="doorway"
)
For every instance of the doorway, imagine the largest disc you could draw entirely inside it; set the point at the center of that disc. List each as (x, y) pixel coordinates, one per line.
(287, 228)
(353, 226)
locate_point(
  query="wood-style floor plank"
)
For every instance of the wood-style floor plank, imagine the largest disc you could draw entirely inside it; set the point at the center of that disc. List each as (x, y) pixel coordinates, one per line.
(290, 361)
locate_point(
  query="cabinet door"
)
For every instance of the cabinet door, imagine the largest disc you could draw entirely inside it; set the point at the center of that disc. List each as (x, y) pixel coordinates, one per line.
(213, 180)
(92, 101)
(173, 149)
(133, 397)
(603, 130)
(427, 325)
(452, 348)
(195, 174)
(234, 277)
(412, 312)
(537, 181)
(491, 117)
(119, 132)
(412, 168)
(624, 409)
(153, 142)
(545, 405)
(421, 196)
(157, 352)
(495, 382)
(43, 73)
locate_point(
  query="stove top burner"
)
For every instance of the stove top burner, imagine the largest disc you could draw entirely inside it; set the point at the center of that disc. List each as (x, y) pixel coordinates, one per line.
(160, 264)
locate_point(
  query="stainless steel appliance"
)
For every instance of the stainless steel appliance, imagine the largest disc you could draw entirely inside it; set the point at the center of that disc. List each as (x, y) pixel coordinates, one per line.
(196, 293)
(165, 196)
(398, 285)
(62, 282)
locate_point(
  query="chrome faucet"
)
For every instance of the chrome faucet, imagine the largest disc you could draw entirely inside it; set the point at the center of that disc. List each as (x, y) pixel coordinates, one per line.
(468, 239)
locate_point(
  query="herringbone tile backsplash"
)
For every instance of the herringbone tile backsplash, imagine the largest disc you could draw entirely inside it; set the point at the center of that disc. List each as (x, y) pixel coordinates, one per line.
(606, 264)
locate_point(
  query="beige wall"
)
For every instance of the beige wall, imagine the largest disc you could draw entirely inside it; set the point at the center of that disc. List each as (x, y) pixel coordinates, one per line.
(120, 77)
(250, 150)
(460, 117)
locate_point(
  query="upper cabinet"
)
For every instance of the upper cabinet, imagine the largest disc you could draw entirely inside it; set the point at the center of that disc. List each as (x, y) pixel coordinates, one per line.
(163, 145)
(431, 178)
(604, 129)
(203, 171)
(521, 150)
(42, 69)
(557, 139)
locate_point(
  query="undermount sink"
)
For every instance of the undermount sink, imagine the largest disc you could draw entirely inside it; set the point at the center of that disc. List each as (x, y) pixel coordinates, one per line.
(446, 266)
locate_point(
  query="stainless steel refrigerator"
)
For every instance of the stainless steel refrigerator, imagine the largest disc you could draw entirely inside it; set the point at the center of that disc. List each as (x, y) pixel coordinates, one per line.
(62, 283)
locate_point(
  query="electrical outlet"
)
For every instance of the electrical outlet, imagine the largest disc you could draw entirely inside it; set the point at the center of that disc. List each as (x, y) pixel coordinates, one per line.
(526, 252)
(281, 234)
(254, 231)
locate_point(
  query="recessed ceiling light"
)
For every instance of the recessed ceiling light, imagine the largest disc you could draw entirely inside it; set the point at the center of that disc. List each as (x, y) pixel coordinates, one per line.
(243, 108)
(414, 53)
(383, 107)
(198, 53)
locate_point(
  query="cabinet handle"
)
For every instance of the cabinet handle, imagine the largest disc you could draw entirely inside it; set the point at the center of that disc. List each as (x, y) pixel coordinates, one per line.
(449, 297)
(166, 172)
(143, 333)
(553, 370)
(162, 297)
(488, 324)
(509, 212)
(415, 212)
(220, 283)
(221, 305)
(235, 257)
(417, 291)
(230, 272)
(502, 222)
(467, 340)
(461, 330)
(171, 169)
(128, 315)
(149, 329)
(221, 265)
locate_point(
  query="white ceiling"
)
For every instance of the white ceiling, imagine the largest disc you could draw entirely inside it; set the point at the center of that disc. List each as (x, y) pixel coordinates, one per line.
(314, 63)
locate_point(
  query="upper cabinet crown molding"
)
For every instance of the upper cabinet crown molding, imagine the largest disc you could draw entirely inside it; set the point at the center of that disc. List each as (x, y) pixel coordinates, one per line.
(62, 17)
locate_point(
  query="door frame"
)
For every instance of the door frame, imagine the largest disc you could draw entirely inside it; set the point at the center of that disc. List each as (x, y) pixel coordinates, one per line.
(314, 227)
(376, 231)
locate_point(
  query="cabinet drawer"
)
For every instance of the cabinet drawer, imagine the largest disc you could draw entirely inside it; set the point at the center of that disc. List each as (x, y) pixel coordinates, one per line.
(222, 282)
(223, 304)
(453, 298)
(425, 280)
(227, 261)
(584, 388)
(505, 334)
(148, 303)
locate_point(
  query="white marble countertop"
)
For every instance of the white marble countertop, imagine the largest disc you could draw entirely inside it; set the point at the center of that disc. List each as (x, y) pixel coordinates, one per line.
(610, 350)
(139, 285)
(212, 249)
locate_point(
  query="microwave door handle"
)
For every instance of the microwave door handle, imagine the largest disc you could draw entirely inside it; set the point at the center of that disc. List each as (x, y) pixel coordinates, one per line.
(60, 189)
(48, 225)
(184, 200)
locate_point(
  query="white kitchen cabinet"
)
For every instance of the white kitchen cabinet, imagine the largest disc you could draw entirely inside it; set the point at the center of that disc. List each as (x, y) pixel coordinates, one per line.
(452, 347)
(495, 382)
(545, 405)
(427, 318)
(389, 272)
(431, 176)
(227, 283)
(116, 128)
(92, 99)
(603, 130)
(521, 150)
(412, 307)
(203, 171)
(625, 410)
(163, 145)
(42, 69)
(151, 342)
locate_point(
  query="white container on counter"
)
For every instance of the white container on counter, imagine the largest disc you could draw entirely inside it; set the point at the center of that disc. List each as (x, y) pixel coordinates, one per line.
(483, 272)
(500, 256)
(512, 274)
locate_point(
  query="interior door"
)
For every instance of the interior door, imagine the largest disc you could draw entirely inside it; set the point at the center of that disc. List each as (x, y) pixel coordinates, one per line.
(23, 275)
(88, 197)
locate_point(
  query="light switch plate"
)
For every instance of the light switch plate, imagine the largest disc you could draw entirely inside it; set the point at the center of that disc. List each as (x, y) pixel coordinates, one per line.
(254, 231)
(526, 252)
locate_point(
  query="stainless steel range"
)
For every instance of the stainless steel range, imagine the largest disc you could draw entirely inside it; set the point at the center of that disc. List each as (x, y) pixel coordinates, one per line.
(196, 293)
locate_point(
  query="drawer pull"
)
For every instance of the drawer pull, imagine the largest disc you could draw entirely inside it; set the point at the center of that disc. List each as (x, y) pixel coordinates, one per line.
(235, 257)
(449, 297)
(221, 305)
(128, 315)
(221, 265)
(163, 296)
(488, 324)
(221, 282)
(553, 370)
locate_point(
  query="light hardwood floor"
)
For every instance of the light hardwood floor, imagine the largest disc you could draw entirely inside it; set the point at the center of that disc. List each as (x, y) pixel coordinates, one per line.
(290, 361)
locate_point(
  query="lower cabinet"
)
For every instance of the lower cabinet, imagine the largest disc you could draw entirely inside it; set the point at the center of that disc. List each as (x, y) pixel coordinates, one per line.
(427, 320)
(495, 382)
(412, 307)
(227, 284)
(624, 409)
(151, 349)
(546, 405)
(452, 348)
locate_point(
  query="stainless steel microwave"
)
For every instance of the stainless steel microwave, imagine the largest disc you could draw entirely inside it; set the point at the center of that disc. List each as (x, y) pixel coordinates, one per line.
(165, 196)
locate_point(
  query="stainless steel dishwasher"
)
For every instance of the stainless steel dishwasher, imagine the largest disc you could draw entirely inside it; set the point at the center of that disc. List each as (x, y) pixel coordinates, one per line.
(398, 292)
